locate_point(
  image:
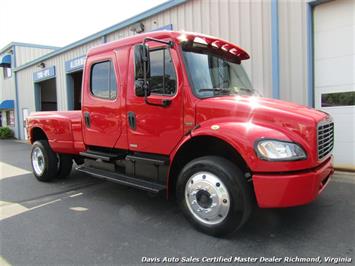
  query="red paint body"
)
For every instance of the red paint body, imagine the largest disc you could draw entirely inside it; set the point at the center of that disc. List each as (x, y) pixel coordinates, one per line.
(241, 119)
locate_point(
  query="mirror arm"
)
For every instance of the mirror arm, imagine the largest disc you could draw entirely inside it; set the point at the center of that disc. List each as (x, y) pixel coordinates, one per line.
(164, 103)
(169, 43)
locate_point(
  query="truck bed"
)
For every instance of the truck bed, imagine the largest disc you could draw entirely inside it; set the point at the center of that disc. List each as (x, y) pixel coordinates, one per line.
(63, 129)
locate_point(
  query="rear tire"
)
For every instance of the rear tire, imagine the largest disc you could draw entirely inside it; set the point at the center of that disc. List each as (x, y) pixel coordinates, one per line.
(43, 161)
(65, 165)
(214, 195)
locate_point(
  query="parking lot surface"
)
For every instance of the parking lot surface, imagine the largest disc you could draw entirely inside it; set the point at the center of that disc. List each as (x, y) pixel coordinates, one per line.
(83, 221)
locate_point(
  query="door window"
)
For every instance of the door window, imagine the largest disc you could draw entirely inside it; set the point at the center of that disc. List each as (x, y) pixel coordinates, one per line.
(163, 77)
(162, 72)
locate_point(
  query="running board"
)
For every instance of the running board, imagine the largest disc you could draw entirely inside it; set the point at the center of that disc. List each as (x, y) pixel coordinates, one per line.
(123, 179)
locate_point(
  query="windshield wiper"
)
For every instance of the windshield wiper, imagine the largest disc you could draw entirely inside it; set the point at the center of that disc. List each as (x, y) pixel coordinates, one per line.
(223, 90)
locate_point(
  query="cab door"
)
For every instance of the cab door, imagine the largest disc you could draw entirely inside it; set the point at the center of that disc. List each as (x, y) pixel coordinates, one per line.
(101, 109)
(156, 128)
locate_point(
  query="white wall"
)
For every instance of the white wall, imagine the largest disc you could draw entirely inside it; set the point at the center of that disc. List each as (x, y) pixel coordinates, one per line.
(293, 51)
(334, 71)
(25, 54)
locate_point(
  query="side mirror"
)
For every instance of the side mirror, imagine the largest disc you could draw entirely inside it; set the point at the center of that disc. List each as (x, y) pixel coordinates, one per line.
(142, 70)
(142, 88)
(142, 61)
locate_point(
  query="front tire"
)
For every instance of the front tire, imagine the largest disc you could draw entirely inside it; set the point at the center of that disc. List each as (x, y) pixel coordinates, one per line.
(214, 195)
(44, 161)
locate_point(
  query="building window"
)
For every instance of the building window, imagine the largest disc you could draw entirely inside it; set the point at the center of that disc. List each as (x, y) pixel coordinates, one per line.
(338, 99)
(7, 72)
(103, 80)
(10, 118)
(162, 73)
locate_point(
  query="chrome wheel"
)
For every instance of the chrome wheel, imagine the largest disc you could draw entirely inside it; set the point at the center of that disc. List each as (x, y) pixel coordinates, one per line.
(207, 198)
(38, 161)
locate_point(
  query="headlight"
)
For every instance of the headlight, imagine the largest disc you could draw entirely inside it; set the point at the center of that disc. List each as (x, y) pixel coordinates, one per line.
(275, 150)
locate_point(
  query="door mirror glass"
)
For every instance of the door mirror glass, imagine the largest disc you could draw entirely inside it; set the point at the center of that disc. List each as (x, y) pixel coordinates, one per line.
(142, 70)
(142, 61)
(142, 90)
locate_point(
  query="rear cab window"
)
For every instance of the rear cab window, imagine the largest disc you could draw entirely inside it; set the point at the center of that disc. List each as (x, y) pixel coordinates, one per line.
(103, 82)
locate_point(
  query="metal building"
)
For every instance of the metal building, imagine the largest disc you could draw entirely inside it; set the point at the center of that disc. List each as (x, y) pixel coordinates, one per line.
(11, 56)
(301, 51)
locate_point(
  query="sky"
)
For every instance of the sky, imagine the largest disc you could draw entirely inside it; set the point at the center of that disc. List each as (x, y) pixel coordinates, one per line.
(61, 22)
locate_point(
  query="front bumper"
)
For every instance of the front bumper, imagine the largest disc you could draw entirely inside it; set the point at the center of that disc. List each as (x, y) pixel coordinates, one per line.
(286, 190)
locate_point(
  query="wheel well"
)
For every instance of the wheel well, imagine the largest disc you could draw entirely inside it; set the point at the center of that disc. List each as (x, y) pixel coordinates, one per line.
(38, 134)
(202, 146)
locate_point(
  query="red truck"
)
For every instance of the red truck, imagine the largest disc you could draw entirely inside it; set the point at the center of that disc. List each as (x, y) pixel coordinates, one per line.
(175, 112)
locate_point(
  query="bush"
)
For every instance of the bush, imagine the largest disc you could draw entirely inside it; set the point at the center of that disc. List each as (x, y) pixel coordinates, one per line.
(6, 133)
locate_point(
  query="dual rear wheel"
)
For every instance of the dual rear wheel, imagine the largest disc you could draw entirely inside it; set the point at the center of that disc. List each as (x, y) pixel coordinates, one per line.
(46, 164)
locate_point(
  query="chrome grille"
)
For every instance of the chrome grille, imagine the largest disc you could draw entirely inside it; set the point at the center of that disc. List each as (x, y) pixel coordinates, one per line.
(325, 139)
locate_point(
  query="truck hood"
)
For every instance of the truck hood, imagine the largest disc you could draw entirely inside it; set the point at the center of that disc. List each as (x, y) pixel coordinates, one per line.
(290, 118)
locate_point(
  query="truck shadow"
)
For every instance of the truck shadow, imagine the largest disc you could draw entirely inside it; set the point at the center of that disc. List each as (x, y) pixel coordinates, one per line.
(140, 210)
(25, 187)
(282, 224)
(146, 220)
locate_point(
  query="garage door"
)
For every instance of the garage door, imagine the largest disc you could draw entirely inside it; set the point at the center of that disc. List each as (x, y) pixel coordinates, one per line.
(334, 73)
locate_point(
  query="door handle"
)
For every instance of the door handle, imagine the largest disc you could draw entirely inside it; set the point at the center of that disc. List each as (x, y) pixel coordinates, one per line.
(87, 119)
(132, 120)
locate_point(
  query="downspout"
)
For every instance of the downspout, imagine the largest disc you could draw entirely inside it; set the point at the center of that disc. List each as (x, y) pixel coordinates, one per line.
(17, 112)
(310, 59)
(275, 50)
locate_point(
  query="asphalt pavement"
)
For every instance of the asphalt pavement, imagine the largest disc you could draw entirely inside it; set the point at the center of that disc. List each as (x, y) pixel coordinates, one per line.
(85, 221)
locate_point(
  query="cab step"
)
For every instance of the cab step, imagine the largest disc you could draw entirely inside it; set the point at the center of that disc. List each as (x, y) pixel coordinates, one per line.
(123, 179)
(148, 158)
(105, 156)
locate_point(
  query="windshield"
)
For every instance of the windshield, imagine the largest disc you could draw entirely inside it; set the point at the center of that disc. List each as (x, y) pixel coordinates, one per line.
(211, 74)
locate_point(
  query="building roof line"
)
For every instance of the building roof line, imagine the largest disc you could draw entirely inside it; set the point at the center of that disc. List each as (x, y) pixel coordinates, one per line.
(31, 45)
(148, 13)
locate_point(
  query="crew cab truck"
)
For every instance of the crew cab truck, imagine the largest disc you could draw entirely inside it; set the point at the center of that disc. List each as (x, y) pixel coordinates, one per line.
(175, 113)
